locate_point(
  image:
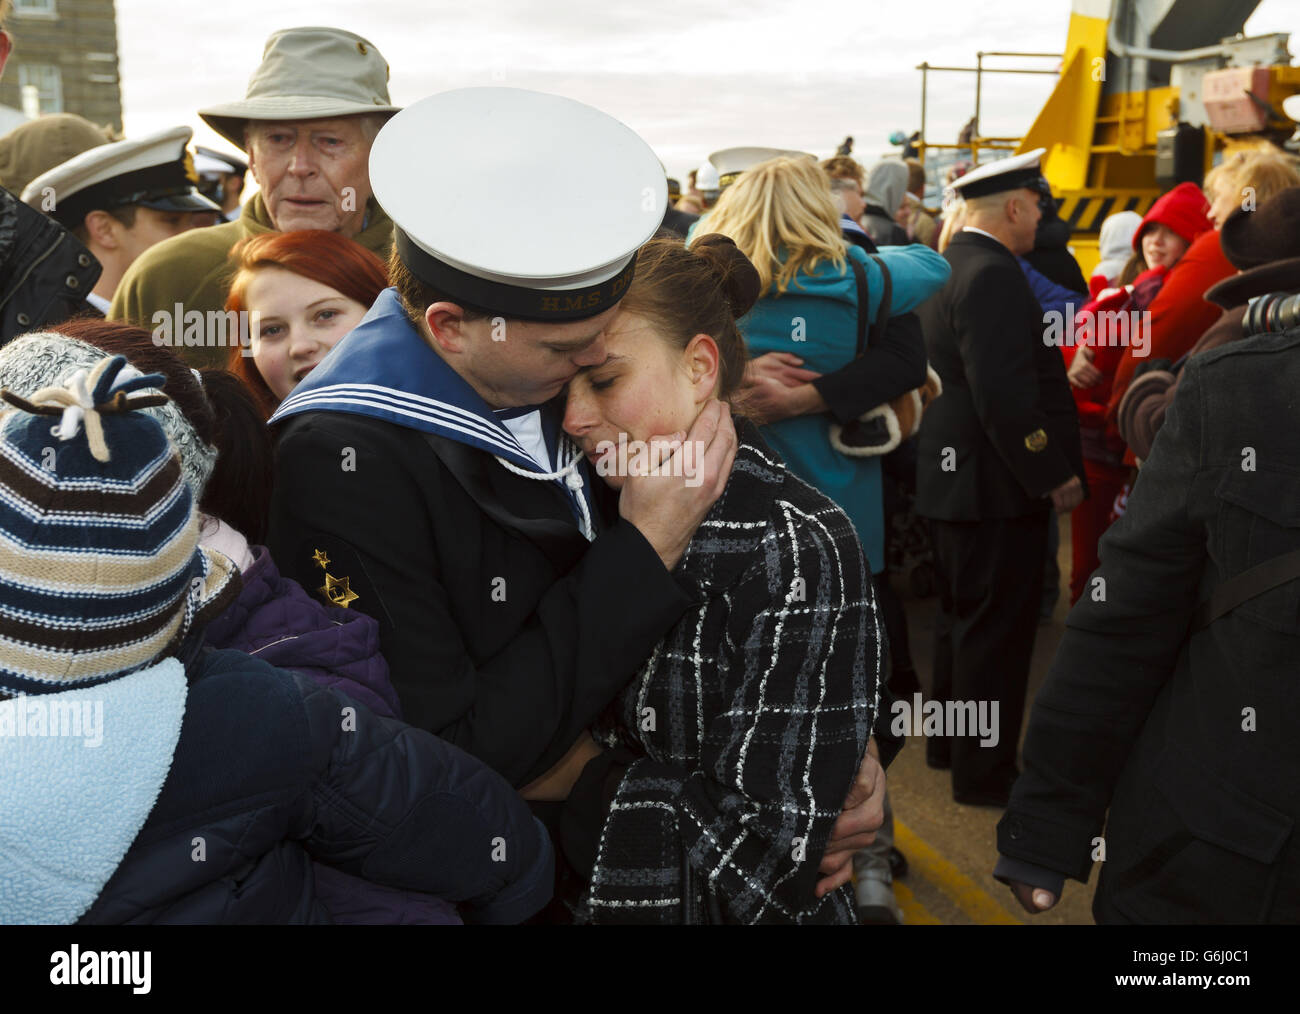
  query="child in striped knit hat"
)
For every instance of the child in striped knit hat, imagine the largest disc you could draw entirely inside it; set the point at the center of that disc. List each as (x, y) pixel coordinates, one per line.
(145, 778)
(225, 453)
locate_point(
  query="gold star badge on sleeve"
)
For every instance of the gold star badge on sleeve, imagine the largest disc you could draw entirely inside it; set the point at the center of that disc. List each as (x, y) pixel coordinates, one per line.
(335, 589)
(1036, 441)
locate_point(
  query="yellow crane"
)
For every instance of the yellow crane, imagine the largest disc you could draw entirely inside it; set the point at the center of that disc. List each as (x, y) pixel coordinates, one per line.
(1147, 94)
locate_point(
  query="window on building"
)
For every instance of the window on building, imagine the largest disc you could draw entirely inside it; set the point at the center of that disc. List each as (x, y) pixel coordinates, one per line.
(47, 81)
(40, 8)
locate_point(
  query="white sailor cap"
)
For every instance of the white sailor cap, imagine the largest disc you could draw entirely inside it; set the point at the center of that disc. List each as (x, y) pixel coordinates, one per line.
(1019, 171)
(511, 227)
(731, 162)
(156, 171)
(706, 178)
(210, 162)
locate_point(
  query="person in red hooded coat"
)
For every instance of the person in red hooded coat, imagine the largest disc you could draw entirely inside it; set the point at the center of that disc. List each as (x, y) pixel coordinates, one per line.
(1177, 251)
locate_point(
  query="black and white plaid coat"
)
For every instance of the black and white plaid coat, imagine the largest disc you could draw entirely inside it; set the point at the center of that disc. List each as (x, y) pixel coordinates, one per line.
(752, 716)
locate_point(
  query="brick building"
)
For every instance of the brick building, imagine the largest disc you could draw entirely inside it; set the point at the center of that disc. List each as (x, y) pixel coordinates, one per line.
(68, 50)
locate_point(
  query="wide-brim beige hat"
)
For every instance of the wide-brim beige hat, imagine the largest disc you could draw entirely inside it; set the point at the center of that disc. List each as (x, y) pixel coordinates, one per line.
(308, 74)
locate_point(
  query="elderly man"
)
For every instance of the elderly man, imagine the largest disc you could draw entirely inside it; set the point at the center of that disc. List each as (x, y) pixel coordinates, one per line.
(312, 110)
(997, 451)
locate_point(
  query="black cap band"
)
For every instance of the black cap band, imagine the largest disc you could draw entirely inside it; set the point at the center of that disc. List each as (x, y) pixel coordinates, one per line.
(1029, 179)
(512, 300)
(153, 183)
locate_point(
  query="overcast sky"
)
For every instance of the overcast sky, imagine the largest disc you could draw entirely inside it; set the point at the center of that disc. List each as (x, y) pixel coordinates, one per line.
(690, 76)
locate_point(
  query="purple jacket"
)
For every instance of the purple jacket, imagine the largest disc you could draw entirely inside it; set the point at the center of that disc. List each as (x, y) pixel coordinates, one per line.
(274, 619)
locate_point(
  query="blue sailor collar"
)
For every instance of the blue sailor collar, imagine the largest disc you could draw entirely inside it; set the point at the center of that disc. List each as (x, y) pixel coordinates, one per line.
(383, 368)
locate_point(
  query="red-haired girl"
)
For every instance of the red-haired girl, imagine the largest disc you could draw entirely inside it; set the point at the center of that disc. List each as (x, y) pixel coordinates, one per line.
(303, 291)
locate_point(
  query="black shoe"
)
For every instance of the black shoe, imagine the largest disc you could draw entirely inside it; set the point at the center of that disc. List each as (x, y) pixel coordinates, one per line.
(897, 864)
(938, 755)
(984, 797)
(996, 793)
(876, 915)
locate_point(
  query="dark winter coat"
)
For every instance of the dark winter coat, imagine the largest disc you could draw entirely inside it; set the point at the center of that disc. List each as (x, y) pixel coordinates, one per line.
(1051, 255)
(45, 272)
(276, 620)
(1188, 736)
(882, 227)
(749, 719)
(1004, 433)
(1051, 297)
(268, 774)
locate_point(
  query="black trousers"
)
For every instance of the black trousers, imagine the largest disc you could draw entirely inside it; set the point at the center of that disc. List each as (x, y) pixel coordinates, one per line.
(990, 576)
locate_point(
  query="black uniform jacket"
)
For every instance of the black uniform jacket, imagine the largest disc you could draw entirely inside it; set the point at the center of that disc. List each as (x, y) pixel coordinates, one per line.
(45, 271)
(506, 632)
(1004, 433)
(1189, 734)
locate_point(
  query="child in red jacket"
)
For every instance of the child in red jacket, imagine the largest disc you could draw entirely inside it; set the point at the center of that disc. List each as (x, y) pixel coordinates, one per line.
(1112, 333)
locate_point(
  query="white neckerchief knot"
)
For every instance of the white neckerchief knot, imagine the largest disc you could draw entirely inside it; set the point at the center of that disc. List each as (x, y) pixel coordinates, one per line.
(569, 473)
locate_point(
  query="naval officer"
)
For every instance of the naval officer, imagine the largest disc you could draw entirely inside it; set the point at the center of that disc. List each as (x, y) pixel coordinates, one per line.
(120, 199)
(998, 452)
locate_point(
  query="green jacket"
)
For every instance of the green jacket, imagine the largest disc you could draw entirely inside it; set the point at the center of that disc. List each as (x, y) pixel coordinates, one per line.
(193, 270)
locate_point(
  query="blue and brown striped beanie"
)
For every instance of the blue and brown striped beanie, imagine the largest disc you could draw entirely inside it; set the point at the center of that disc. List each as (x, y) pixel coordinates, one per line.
(101, 573)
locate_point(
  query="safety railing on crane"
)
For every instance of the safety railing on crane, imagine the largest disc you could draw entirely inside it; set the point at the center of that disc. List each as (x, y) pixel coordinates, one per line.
(948, 154)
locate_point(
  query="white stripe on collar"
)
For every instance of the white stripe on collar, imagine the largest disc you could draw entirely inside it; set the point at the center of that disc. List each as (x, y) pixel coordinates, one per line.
(438, 413)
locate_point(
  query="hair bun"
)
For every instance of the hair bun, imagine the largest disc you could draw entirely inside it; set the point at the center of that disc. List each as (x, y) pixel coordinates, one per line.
(731, 269)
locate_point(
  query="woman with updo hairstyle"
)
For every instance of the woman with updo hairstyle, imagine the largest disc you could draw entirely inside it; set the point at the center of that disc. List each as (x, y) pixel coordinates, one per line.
(714, 780)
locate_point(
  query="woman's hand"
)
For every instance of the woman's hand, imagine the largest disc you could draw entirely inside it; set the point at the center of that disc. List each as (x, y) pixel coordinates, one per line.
(779, 366)
(777, 387)
(857, 824)
(667, 507)
(1082, 373)
(557, 783)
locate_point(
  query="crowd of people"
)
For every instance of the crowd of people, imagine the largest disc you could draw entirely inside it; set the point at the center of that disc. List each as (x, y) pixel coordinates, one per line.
(369, 557)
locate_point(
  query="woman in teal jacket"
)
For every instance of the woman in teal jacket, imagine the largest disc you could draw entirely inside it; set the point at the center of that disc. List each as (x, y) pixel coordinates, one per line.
(781, 215)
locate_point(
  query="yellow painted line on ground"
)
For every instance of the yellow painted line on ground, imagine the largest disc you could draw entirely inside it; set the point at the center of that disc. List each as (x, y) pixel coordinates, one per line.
(967, 895)
(914, 913)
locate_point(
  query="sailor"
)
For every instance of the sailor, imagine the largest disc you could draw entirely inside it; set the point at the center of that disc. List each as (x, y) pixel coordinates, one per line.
(725, 166)
(676, 223)
(120, 199)
(221, 178)
(997, 453)
(707, 183)
(423, 476)
(731, 162)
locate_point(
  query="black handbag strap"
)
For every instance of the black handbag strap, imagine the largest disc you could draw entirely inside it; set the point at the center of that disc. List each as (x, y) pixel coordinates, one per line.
(1247, 585)
(864, 307)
